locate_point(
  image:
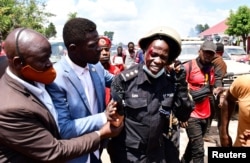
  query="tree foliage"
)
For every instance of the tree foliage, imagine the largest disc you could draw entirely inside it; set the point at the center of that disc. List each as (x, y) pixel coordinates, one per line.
(239, 23)
(23, 13)
(50, 31)
(6, 16)
(200, 28)
(72, 15)
(109, 34)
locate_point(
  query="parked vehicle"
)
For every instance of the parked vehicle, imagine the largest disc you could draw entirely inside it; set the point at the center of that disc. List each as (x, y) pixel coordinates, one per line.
(235, 69)
(236, 53)
(58, 50)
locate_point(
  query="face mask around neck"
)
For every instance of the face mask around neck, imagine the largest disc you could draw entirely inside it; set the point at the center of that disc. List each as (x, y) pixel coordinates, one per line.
(151, 74)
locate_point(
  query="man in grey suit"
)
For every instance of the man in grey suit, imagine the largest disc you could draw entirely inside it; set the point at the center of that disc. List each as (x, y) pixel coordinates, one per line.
(28, 127)
(78, 91)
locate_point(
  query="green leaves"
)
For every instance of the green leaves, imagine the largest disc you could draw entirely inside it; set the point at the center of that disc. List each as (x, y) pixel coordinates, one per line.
(23, 13)
(239, 23)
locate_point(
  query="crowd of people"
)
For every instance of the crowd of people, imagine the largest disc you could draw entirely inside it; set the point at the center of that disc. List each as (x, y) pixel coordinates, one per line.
(133, 105)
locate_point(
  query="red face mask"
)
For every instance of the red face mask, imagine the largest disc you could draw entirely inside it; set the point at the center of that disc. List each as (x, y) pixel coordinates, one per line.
(45, 77)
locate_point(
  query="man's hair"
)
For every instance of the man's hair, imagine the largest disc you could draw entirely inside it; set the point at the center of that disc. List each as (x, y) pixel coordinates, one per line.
(76, 29)
(131, 43)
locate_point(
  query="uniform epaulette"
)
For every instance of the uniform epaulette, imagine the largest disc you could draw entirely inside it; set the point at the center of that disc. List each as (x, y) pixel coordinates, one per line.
(130, 73)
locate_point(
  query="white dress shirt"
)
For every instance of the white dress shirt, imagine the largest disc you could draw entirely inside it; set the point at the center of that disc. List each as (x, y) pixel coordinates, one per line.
(84, 75)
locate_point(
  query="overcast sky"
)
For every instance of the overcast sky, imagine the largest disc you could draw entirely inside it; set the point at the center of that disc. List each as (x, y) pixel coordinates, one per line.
(131, 19)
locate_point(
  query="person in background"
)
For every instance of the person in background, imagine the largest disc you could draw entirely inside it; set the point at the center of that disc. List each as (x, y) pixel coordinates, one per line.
(78, 91)
(219, 65)
(28, 124)
(105, 44)
(220, 70)
(145, 95)
(119, 59)
(2, 52)
(3, 61)
(140, 56)
(131, 57)
(200, 78)
(238, 93)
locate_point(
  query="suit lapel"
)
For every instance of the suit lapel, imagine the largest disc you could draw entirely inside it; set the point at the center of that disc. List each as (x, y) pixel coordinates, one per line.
(76, 83)
(97, 87)
(17, 86)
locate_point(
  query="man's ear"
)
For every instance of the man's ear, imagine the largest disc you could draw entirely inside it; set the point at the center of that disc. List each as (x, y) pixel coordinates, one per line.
(17, 62)
(72, 47)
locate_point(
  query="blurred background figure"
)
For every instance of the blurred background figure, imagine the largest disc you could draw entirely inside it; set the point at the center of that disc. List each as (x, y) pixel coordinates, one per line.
(131, 57)
(3, 60)
(220, 69)
(105, 44)
(119, 58)
(2, 52)
(140, 56)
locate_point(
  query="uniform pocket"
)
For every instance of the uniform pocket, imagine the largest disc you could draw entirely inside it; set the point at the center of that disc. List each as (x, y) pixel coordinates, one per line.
(136, 108)
(136, 103)
(166, 105)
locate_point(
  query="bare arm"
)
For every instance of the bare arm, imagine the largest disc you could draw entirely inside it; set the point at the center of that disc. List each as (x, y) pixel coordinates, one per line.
(227, 104)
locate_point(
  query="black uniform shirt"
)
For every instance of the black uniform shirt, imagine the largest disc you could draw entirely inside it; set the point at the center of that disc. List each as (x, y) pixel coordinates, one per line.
(143, 97)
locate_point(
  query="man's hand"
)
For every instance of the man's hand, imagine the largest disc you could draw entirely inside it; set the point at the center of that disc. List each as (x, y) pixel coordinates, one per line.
(223, 103)
(177, 66)
(180, 73)
(245, 138)
(111, 110)
(112, 115)
(217, 91)
(109, 130)
(183, 124)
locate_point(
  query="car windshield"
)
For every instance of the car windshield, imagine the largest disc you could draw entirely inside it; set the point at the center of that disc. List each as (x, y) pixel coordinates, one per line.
(235, 51)
(190, 49)
(57, 48)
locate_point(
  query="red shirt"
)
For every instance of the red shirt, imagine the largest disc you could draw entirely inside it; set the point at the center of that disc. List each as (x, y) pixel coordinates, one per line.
(197, 78)
(113, 70)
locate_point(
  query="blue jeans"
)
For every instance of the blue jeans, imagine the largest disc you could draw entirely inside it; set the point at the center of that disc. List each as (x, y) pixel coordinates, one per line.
(195, 148)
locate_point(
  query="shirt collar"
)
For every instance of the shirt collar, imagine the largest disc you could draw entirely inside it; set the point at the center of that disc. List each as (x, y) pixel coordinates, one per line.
(34, 89)
(78, 69)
